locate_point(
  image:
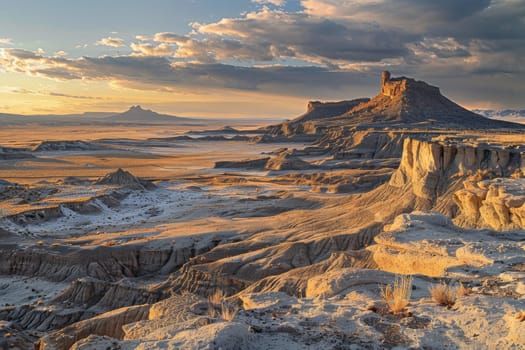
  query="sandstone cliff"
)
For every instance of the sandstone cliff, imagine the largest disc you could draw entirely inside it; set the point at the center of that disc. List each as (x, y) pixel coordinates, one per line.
(431, 168)
(498, 204)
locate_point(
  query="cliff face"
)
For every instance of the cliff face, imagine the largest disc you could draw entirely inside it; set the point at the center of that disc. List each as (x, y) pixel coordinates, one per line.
(498, 204)
(315, 117)
(483, 181)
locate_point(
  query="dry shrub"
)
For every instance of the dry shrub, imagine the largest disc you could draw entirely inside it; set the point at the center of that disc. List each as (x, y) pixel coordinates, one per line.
(443, 294)
(216, 298)
(219, 308)
(228, 312)
(397, 296)
(462, 291)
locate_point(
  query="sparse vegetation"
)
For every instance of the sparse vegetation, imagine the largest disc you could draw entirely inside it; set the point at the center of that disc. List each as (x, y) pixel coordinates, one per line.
(397, 296)
(228, 311)
(219, 308)
(216, 298)
(443, 294)
(461, 290)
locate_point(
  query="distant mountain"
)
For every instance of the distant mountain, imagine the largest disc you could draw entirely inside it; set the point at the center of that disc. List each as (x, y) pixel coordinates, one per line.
(513, 115)
(135, 115)
(138, 115)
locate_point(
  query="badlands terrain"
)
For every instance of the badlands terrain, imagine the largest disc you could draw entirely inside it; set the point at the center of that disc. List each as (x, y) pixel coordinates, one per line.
(145, 232)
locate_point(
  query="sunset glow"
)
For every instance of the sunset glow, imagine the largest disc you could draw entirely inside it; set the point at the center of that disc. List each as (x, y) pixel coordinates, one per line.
(205, 58)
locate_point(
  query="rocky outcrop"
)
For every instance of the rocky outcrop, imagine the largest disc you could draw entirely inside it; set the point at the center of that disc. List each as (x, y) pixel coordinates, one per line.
(431, 168)
(310, 122)
(235, 266)
(67, 146)
(103, 263)
(259, 163)
(7, 153)
(365, 144)
(428, 243)
(404, 101)
(498, 204)
(109, 324)
(102, 295)
(284, 160)
(125, 179)
(43, 212)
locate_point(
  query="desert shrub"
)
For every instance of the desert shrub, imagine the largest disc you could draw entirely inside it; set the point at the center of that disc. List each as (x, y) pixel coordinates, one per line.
(443, 294)
(397, 295)
(461, 290)
(228, 311)
(219, 308)
(216, 298)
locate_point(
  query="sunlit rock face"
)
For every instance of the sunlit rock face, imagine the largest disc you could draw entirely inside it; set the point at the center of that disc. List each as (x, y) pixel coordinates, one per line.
(498, 204)
(427, 167)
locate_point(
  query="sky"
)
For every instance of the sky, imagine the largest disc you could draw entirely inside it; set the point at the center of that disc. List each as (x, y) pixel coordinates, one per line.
(253, 58)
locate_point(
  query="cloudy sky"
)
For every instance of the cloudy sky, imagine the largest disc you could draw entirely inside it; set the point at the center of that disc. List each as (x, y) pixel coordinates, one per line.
(253, 57)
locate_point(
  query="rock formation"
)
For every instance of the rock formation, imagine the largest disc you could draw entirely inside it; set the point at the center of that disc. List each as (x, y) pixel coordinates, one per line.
(67, 146)
(125, 179)
(498, 204)
(429, 168)
(8, 153)
(405, 102)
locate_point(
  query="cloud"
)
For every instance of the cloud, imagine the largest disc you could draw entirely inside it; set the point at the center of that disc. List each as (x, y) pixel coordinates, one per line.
(414, 15)
(24, 91)
(79, 97)
(60, 53)
(142, 72)
(276, 34)
(111, 42)
(145, 49)
(167, 37)
(6, 41)
(272, 2)
(143, 37)
(329, 48)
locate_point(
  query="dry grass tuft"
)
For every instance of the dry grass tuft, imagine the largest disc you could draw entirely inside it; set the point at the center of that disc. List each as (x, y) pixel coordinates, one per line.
(228, 312)
(462, 291)
(397, 296)
(216, 298)
(219, 308)
(443, 294)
